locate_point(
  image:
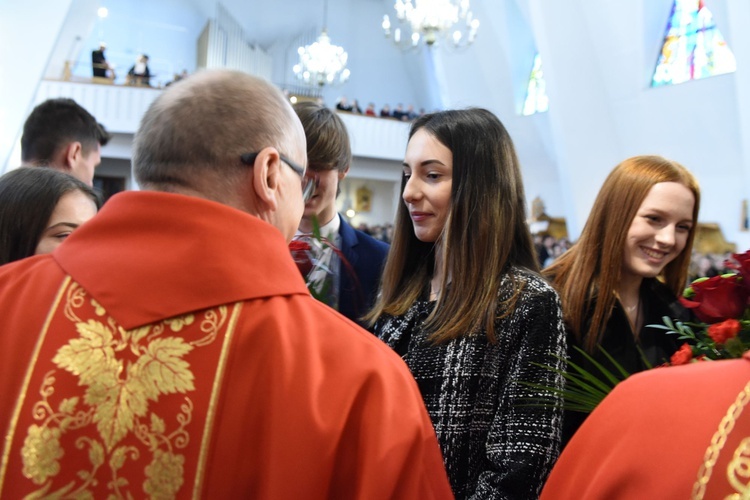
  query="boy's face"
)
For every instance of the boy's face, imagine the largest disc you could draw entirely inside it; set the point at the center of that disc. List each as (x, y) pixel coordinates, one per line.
(323, 203)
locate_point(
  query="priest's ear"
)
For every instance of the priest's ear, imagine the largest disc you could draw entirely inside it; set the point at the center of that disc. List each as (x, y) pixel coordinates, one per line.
(266, 178)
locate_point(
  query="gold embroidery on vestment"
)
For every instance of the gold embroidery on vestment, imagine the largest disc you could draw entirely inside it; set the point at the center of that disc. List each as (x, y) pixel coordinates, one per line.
(215, 393)
(738, 471)
(116, 399)
(27, 382)
(718, 441)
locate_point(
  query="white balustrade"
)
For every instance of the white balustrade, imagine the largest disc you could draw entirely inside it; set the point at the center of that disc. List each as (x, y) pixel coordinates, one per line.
(120, 109)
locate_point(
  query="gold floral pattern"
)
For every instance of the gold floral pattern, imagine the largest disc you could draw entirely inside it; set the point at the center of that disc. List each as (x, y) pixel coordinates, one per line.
(41, 452)
(123, 373)
(719, 439)
(738, 472)
(164, 475)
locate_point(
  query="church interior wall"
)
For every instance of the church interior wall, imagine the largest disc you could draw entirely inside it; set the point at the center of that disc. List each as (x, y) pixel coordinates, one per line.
(598, 58)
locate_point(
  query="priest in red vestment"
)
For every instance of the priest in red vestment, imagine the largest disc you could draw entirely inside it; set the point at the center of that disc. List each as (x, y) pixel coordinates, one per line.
(170, 348)
(675, 432)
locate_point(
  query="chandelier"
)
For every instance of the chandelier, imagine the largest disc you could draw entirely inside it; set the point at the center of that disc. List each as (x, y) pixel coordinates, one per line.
(322, 63)
(429, 21)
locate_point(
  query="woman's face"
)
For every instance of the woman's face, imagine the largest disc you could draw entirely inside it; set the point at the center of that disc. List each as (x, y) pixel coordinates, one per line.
(428, 168)
(659, 231)
(73, 209)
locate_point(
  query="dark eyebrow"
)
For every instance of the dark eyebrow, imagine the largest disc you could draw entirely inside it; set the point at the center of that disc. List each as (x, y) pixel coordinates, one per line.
(60, 224)
(425, 163)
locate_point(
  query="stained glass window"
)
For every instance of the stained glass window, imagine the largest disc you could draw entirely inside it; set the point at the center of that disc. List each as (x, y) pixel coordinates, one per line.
(536, 92)
(693, 46)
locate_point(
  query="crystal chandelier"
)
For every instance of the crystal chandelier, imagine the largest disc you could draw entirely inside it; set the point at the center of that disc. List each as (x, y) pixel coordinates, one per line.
(430, 20)
(322, 63)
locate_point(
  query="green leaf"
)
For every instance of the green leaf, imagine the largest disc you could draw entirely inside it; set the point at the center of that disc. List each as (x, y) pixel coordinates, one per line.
(734, 347)
(612, 379)
(584, 390)
(316, 228)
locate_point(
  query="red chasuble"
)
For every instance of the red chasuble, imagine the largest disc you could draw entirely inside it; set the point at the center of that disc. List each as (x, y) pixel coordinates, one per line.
(170, 349)
(675, 432)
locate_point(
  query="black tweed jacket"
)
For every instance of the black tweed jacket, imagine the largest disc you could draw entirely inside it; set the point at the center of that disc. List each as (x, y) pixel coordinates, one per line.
(494, 444)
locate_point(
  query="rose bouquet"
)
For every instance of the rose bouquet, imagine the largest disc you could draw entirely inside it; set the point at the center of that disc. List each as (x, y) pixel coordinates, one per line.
(318, 260)
(721, 305)
(722, 330)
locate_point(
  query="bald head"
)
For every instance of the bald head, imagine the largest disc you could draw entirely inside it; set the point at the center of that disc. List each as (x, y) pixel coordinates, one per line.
(192, 136)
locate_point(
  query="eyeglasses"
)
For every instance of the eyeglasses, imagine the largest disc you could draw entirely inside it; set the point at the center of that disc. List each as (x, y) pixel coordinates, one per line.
(309, 183)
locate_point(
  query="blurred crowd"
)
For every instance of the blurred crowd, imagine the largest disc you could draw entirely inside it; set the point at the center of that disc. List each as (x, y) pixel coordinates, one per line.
(382, 232)
(399, 112)
(702, 265)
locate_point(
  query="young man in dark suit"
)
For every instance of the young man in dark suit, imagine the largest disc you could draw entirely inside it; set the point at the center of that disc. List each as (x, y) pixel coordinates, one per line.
(348, 278)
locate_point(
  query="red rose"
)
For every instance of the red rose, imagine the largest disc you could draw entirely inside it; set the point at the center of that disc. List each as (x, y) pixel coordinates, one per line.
(717, 299)
(682, 356)
(741, 262)
(721, 332)
(300, 251)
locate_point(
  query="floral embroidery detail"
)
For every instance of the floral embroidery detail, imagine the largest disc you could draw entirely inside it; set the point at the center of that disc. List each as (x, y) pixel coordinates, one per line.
(164, 475)
(737, 470)
(41, 452)
(119, 388)
(176, 324)
(98, 309)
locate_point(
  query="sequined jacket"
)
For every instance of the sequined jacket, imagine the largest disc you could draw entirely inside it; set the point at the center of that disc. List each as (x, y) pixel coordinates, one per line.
(493, 445)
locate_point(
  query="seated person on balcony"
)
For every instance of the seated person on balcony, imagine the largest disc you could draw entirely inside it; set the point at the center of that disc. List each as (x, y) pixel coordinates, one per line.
(61, 134)
(399, 113)
(99, 63)
(343, 105)
(139, 73)
(385, 112)
(370, 110)
(410, 113)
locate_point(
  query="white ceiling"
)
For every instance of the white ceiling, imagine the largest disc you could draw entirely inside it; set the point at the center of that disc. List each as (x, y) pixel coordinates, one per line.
(266, 22)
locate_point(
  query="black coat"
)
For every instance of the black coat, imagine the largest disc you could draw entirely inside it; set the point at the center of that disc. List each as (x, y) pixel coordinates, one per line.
(494, 444)
(656, 345)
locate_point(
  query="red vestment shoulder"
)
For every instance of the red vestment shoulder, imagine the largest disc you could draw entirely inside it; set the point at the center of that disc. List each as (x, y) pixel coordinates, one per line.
(170, 349)
(672, 432)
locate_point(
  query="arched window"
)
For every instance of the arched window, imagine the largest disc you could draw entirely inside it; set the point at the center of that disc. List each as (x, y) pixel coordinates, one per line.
(693, 46)
(536, 91)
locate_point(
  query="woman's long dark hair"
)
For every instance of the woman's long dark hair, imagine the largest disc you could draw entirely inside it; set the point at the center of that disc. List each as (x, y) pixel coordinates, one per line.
(28, 196)
(485, 231)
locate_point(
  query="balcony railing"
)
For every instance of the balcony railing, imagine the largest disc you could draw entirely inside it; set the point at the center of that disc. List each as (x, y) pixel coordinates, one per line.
(120, 109)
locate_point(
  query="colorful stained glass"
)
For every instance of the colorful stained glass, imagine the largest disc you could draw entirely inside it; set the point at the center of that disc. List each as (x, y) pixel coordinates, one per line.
(536, 92)
(693, 46)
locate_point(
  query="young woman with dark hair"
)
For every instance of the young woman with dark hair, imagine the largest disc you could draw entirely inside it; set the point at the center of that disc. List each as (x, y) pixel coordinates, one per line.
(462, 303)
(628, 267)
(39, 208)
